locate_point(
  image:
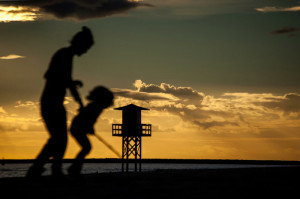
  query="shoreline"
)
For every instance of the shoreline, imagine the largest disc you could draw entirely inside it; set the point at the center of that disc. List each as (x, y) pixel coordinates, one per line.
(167, 161)
(209, 183)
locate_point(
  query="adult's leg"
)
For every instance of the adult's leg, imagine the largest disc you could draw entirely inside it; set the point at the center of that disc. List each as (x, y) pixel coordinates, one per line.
(58, 142)
(55, 121)
(47, 151)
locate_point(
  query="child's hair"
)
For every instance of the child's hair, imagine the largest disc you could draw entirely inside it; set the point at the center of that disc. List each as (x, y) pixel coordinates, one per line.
(84, 37)
(101, 95)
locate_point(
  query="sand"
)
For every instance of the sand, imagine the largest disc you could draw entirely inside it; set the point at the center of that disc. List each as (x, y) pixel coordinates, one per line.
(279, 182)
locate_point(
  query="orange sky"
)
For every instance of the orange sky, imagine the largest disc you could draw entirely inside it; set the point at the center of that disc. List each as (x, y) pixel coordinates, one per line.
(186, 124)
(221, 78)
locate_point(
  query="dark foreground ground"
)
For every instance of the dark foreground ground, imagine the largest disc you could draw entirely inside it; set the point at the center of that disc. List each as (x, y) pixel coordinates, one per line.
(221, 183)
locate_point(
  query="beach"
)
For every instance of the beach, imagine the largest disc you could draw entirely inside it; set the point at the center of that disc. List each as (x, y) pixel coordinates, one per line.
(279, 182)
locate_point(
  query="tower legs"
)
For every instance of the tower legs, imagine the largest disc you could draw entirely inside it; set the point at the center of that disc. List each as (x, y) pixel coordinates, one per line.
(131, 147)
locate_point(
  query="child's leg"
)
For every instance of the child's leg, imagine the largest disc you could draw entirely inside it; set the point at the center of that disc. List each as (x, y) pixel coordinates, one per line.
(83, 140)
(86, 147)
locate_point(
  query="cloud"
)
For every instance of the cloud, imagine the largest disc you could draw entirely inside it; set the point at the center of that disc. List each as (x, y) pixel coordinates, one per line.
(2, 110)
(278, 9)
(230, 112)
(207, 125)
(285, 30)
(289, 103)
(186, 94)
(20, 120)
(27, 104)
(183, 109)
(144, 96)
(17, 13)
(12, 56)
(75, 9)
(183, 102)
(157, 128)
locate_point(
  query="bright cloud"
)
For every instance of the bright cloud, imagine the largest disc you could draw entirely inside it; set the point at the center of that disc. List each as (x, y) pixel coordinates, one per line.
(278, 9)
(17, 13)
(12, 56)
(17, 120)
(2, 110)
(27, 104)
(186, 94)
(237, 111)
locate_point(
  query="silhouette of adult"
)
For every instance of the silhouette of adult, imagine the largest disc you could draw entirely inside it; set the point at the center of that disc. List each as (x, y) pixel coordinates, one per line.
(58, 80)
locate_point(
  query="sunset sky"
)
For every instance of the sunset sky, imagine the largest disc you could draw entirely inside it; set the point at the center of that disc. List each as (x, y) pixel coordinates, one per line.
(221, 77)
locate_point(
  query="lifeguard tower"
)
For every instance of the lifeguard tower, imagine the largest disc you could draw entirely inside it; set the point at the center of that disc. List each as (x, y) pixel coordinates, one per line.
(131, 130)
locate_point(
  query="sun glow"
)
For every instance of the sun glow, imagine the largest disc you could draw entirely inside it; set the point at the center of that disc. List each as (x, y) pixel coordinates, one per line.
(20, 13)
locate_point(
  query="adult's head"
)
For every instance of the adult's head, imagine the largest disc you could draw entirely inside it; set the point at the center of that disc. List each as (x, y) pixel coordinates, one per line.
(82, 41)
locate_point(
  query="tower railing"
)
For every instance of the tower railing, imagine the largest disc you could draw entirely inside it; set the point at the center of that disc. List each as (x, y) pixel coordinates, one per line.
(142, 130)
(145, 129)
(117, 129)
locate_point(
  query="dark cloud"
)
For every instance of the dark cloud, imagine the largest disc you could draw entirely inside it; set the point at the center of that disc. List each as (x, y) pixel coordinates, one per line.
(184, 112)
(207, 125)
(182, 92)
(185, 94)
(198, 116)
(148, 92)
(78, 9)
(285, 30)
(184, 102)
(135, 95)
(207, 112)
(290, 103)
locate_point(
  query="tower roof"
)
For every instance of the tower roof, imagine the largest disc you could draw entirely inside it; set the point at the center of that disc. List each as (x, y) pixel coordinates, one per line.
(131, 107)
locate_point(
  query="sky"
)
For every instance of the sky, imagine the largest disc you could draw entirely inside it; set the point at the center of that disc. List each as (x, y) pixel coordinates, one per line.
(220, 77)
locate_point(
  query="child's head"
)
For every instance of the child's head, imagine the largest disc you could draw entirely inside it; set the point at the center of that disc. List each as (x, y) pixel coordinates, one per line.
(102, 96)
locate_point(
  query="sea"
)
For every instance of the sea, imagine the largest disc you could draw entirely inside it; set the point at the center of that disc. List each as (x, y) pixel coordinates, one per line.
(11, 170)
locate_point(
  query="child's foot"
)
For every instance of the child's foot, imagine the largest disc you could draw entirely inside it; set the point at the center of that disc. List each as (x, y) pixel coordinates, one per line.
(74, 172)
(34, 173)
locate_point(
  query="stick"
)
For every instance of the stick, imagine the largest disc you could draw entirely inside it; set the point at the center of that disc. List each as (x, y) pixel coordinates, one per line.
(108, 145)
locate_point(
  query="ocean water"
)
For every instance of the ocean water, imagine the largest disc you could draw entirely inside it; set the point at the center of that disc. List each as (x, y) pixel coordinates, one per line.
(19, 170)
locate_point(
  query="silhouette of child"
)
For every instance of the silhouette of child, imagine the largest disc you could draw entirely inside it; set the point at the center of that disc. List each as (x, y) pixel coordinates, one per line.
(83, 124)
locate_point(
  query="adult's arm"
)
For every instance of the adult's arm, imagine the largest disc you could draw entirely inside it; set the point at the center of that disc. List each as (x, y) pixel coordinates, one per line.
(73, 88)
